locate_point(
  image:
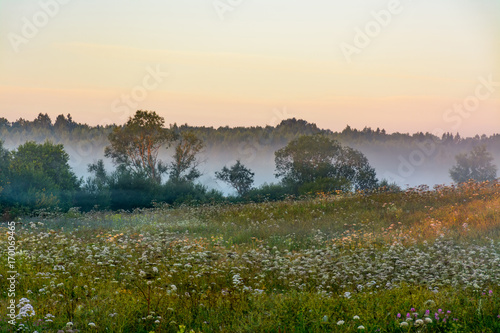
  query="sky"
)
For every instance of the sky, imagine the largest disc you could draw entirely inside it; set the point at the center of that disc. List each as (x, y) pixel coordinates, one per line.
(404, 66)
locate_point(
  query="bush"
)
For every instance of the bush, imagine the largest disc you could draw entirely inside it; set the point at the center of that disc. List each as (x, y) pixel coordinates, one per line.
(268, 192)
(188, 193)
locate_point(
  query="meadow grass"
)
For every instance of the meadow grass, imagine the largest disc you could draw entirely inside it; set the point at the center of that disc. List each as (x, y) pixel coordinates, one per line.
(415, 261)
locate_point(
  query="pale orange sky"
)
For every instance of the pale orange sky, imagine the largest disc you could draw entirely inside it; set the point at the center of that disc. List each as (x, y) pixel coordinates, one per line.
(266, 61)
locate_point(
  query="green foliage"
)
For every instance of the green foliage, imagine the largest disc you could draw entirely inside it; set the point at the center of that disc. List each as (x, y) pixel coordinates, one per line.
(249, 142)
(49, 159)
(325, 185)
(306, 159)
(96, 190)
(311, 160)
(175, 193)
(322, 264)
(136, 144)
(64, 123)
(352, 165)
(5, 159)
(43, 121)
(476, 165)
(386, 186)
(124, 189)
(238, 176)
(129, 189)
(40, 177)
(268, 192)
(184, 166)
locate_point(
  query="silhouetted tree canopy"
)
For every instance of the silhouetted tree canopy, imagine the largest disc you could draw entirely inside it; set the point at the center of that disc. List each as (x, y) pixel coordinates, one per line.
(136, 144)
(318, 159)
(475, 165)
(184, 168)
(238, 176)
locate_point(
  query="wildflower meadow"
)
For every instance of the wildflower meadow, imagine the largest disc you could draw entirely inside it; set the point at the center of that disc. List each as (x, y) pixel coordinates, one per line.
(421, 260)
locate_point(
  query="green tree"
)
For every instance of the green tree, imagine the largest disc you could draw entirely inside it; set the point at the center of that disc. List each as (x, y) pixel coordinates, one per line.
(41, 176)
(5, 159)
(42, 121)
(476, 165)
(136, 144)
(96, 190)
(63, 123)
(129, 190)
(184, 167)
(306, 159)
(317, 159)
(352, 165)
(238, 176)
(4, 122)
(385, 186)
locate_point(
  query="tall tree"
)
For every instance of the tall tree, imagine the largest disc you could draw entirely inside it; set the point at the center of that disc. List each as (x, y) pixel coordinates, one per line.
(63, 123)
(238, 176)
(4, 122)
(41, 176)
(184, 168)
(97, 189)
(477, 165)
(352, 165)
(318, 159)
(42, 121)
(136, 144)
(5, 158)
(306, 159)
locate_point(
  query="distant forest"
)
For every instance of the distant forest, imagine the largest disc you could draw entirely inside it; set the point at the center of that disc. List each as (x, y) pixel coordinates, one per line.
(401, 159)
(67, 131)
(413, 159)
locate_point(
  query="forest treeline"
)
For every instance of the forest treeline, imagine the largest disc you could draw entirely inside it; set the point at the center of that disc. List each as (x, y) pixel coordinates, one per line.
(35, 174)
(65, 129)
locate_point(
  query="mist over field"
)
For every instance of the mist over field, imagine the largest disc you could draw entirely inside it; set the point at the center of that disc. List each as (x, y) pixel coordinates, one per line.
(409, 160)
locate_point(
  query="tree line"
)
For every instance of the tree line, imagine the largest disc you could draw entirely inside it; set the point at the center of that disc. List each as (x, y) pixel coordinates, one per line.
(64, 129)
(37, 176)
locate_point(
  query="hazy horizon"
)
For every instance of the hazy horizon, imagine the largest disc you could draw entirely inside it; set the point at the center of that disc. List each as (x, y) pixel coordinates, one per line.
(276, 120)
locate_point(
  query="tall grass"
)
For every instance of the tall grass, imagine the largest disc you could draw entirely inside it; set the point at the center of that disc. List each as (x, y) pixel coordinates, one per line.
(416, 261)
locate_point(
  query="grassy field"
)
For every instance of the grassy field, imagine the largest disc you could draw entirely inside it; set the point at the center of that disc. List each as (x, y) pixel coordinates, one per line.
(416, 261)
